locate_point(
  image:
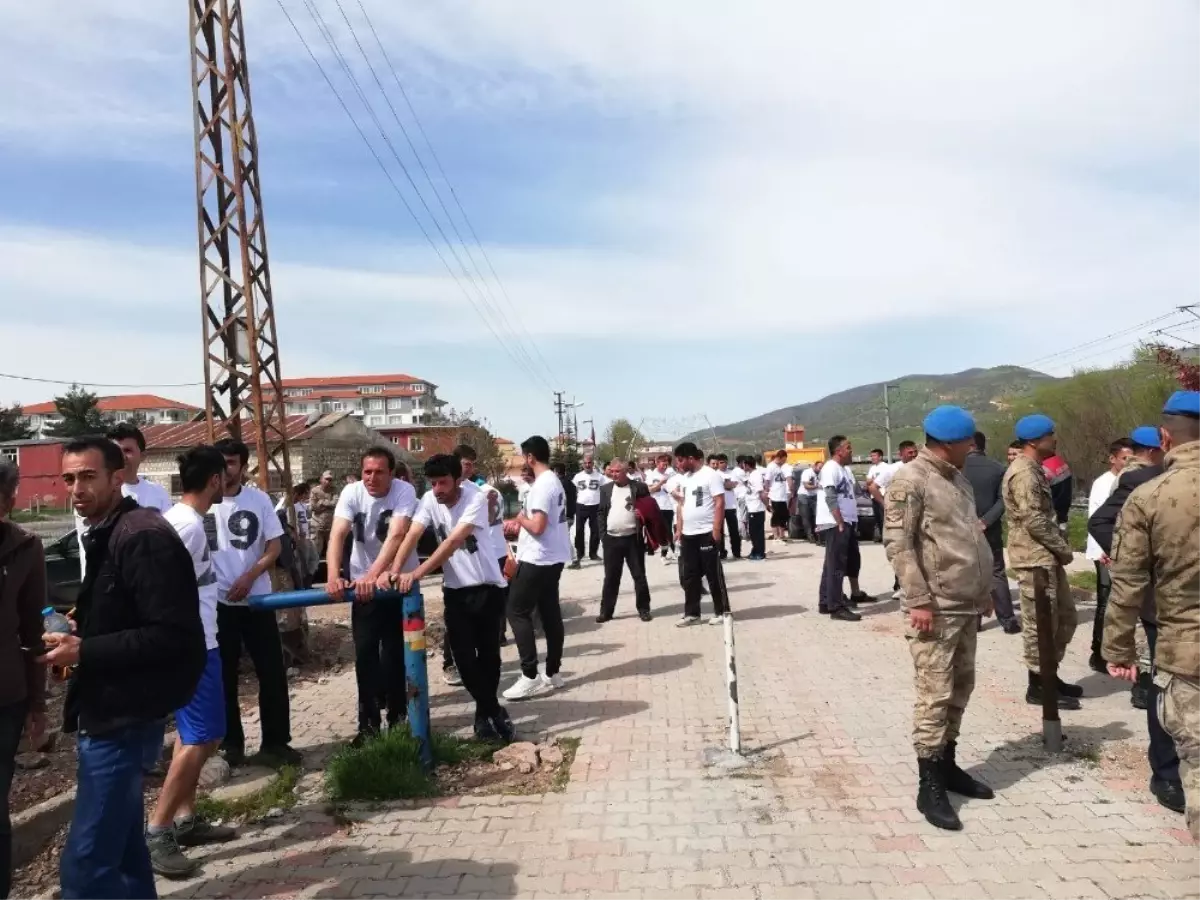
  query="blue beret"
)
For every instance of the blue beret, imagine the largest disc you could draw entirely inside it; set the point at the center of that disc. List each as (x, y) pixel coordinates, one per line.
(1031, 428)
(950, 424)
(1146, 436)
(1183, 403)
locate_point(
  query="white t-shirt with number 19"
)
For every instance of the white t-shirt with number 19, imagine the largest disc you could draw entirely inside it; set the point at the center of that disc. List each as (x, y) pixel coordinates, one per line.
(474, 563)
(552, 546)
(370, 517)
(700, 490)
(238, 529)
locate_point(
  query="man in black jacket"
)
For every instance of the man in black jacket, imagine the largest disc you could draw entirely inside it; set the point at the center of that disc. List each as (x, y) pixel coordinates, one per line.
(137, 655)
(623, 543)
(986, 475)
(1145, 465)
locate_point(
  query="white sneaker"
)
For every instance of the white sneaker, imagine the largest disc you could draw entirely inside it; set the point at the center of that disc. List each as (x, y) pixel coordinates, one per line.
(451, 677)
(717, 620)
(687, 621)
(525, 687)
(552, 682)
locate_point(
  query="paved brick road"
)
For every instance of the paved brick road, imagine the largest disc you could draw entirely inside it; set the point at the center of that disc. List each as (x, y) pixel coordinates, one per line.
(828, 812)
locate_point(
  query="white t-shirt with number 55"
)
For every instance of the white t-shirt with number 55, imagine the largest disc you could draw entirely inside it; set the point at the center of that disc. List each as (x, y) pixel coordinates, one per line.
(238, 529)
(587, 487)
(370, 518)
(552, 546)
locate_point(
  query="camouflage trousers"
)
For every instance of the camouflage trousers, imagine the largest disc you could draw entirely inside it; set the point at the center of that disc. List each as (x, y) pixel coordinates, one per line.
(1179, 712)
(944, 676)
(1063, 616)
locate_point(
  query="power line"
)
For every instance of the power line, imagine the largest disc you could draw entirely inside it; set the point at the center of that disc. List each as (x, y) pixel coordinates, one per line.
(396, 187)
(1101, 340)
(96, 383)
(450, 186)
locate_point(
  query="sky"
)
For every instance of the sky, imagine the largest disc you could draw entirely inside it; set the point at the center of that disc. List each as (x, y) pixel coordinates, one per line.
(697, 211)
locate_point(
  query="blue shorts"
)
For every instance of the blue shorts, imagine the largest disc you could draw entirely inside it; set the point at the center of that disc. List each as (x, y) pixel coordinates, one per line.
(203, 719)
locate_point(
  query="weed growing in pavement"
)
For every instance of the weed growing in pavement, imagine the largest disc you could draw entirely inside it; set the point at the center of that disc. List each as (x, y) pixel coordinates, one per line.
(280, 793)
(569, 746)
(388, 767)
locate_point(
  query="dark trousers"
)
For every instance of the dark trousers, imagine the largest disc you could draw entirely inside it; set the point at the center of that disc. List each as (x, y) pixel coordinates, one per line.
(106, 855)
(536, 587)
(473, 617)
(877, 532)
(701, 559)
(756, 524)
(12, 723)
(378, 630)
(1103, 589)
(1163, 757)
(842, 560)
(257, 630)
(448, 649)
(590, 516)
(808, 515)
(618, 553)
(668, 517)
(732, 533)
(1001, 592)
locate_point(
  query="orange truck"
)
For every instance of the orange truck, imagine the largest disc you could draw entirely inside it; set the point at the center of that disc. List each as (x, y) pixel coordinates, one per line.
(797, 453)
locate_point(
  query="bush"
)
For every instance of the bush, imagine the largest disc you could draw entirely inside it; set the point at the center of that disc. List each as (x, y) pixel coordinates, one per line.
(388, 767)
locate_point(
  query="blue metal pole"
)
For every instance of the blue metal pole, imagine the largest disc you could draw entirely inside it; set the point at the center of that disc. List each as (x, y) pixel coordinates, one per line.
(415, 668)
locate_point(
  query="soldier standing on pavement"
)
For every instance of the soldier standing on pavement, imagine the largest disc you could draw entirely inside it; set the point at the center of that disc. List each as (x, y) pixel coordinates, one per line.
(322, 503)
(1037, 546)
(932, 538)
(1155, 547)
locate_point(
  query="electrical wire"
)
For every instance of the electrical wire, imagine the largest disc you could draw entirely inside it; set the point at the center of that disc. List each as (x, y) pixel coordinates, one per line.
(98, 384)
(396, 189)
(1101, 340)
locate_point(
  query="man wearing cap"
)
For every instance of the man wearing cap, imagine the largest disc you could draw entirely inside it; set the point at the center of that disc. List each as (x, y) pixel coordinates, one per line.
(1144, 467)
(1037, 548)
(932, 538)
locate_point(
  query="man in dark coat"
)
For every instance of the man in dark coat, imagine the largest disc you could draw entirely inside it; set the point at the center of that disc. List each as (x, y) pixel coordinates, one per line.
(623, 541)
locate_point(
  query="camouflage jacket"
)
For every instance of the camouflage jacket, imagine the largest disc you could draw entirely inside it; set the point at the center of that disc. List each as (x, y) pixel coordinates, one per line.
(933, 540)
(1034, 538)
(1156, 543)
(322, 504)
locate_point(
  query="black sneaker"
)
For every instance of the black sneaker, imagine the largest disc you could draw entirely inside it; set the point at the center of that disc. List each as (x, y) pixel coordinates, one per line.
(166, 859)
(197, 830)
(363, 738)
(235, 756)
(504, 726)
(863, 597)
(1011, 625)
(644, 615)
(484, 729)
(574, 565)
(602, 618)
(282, 754)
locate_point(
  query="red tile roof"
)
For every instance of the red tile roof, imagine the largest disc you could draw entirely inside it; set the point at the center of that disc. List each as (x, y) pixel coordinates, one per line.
(173, 437)
(350, 381)
(116, 403)
(350, 394)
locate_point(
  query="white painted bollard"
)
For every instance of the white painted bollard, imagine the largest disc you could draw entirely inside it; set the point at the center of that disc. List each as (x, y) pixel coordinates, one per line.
(731, 683)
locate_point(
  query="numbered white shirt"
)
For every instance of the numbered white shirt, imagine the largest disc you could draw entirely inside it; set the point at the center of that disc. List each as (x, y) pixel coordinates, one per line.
(738, 477)
(498, 543)
(474, 563)
(777, 478)
(810, 476)
(552, 546)
(302, 517)
(756, 483)
(842, 481)
(700, 488)
(370, 518)
(587, 487)
(189, 525)
(657, 482)
(238, 529)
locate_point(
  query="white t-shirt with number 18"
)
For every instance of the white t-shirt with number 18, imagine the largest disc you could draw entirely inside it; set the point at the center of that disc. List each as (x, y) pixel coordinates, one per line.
(238, 529)
(370, 517)
(552, 546)
(474, 563)
(700, 490)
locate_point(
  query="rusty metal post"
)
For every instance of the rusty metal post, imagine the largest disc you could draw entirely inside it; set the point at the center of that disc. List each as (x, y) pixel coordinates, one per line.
(1052, 737)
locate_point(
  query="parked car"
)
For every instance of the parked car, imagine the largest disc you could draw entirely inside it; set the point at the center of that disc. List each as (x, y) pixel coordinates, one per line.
(866, 513)
(62, 571)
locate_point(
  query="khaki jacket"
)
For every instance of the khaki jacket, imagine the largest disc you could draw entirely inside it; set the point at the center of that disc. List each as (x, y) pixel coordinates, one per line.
(1034, 538)
(1156, 543)
(321, 505)
(932, 537)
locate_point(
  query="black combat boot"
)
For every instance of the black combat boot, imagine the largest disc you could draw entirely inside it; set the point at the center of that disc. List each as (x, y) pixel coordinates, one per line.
(1033, 694)
(958, 781)
(932, 801)
(1068, 690)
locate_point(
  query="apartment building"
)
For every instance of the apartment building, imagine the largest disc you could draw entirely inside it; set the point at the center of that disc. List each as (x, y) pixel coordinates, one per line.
(147, 409)
(379, 400)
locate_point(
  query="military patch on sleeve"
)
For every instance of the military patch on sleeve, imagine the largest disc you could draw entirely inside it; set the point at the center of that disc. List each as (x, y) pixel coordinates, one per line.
(897, 500)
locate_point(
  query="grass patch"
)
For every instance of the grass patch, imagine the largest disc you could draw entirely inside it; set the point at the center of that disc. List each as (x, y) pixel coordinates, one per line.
(24, 515)
(280, 793)
(1083, 580)
(388, 767)
(569, 747)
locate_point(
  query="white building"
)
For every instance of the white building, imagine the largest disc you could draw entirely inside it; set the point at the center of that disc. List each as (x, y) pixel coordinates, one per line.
(379, 400)
(146, 409)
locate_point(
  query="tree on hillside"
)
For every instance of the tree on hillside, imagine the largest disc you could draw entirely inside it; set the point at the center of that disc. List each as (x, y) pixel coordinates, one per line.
(470, 431)
(1186, 370)
(80, 413)
(621, 439)
(12, 424)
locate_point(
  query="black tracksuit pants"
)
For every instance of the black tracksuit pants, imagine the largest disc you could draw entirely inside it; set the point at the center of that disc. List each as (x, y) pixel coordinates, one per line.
(590, 516)
(258, 631)
(668, 517)
(621, 551)
(473, 617)
(536, 587)
(732, 534)
(700, 558)
(378, 630)
(1163, 757)
(1103, 589)
(756, 524)
(842, 560)
(447, 647)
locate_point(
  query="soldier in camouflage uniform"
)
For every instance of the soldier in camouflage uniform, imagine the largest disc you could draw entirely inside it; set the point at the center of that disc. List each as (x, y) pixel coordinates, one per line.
(1037, 548)
(944, 564)
(1156, 546)
(322, 502)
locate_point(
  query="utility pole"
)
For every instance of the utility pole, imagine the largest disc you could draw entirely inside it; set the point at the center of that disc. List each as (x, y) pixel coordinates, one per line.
(560, 408)
(887, 418)
(241, 352)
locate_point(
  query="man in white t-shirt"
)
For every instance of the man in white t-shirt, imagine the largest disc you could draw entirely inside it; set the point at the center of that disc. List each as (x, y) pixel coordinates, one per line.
(472, 584)
(588, 482)
(879, 473)
(200, 725)
(757, 497)
(543, 548)
(624, 544)
(372, 519)
(806, 497)
(837, 521)
(699, 529)
(657, 481)
(244, 538)
(719, 463)
(779, 492)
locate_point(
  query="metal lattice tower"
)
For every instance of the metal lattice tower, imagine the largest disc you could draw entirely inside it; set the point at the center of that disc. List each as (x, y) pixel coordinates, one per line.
(241, 352)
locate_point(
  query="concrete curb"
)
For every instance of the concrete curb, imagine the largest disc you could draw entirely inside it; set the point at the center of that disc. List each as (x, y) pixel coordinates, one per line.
(33, 828)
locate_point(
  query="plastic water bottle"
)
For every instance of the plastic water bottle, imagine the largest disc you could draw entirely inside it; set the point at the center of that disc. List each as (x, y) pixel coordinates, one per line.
(55, 622)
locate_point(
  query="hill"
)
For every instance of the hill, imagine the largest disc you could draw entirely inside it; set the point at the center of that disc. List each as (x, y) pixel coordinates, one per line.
(858, 412)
